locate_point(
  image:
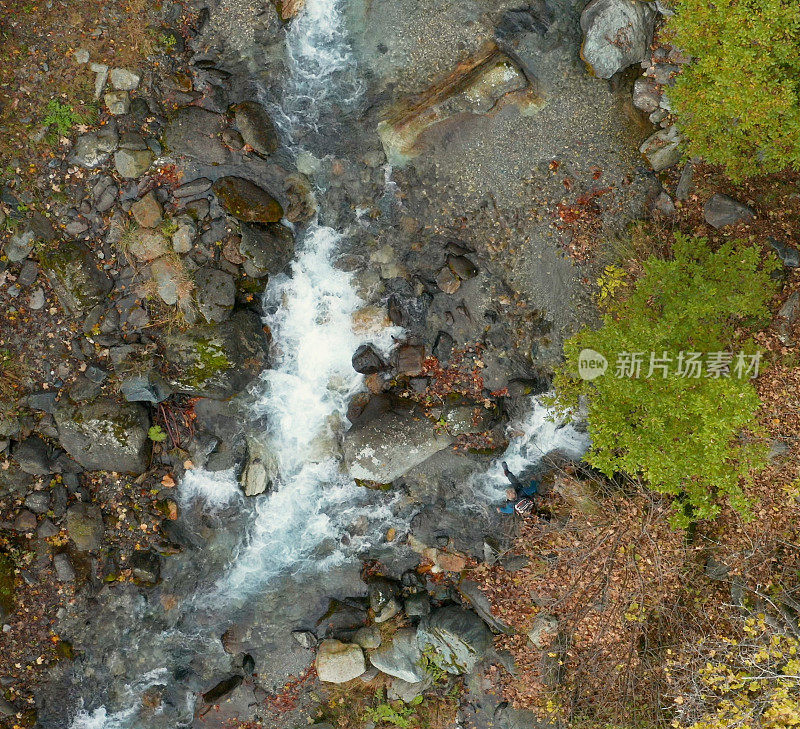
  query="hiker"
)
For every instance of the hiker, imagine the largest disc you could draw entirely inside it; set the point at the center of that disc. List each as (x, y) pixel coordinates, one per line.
(520, 498)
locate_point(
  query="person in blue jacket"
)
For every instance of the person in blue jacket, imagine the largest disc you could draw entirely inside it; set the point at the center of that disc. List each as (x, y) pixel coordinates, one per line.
(519, 499)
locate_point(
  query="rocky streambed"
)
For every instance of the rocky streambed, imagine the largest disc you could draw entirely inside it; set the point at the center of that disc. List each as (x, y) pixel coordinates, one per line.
(332, 257)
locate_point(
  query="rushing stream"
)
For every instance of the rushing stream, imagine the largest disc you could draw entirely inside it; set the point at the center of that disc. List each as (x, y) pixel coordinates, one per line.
(297, 527)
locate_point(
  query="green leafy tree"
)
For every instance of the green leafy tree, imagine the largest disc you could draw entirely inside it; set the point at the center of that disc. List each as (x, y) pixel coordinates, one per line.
(738, 101)
(683, 435)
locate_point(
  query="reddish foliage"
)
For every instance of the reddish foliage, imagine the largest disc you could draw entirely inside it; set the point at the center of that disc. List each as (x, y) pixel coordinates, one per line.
(287, 699)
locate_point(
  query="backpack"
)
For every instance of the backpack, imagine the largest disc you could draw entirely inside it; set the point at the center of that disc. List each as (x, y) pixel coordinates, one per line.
(523, 507)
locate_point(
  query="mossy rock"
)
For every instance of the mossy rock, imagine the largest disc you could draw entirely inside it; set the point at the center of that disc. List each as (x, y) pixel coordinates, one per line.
(105, 434)
(247, 201)
(75, 276)
(216, 361)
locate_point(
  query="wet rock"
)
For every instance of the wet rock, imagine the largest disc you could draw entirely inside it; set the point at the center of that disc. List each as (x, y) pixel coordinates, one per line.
(194, 132)
(222, 689)
(215, 294)
(367, 360)
(270, 248)
(117, 102)
(256, 127)
(417, 605)
(339, 662)
(447, 281)
(148, 387)
(384, 599)
(458, 638)
(124, 80)
(462, 267)
(409, 312)
(147, 211)
(232, 139)
(662, 149)
(443, 347)
(65, 572)
(409, 359)
(74, 275)
(721, 210)
(247, 201)
(145, 565)
(616, 34)
(25, 521)
(85, 526)
(147, 245)
(105, 435)
(133, 163)
(93, 149)
(400, 657)
(391, 444)
(33, 456)
(368, 637)
(261, 468)
(216, 361)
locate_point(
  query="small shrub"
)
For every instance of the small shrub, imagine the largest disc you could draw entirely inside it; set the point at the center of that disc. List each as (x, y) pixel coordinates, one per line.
(738, 101)
(681, 434)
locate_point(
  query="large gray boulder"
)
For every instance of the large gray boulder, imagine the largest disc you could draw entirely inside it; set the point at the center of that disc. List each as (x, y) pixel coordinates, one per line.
(269, 248)
(75, 276)
(401, 657)
(616, 34)
(256, 127)
(105, 435)
(455, 638)
(194, 132)
(339, 662)
(216, 360)
(385, 448)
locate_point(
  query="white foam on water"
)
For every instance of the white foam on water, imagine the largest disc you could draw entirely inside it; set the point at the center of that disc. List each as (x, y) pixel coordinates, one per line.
(99, 718)
(305, 398)
(322, 74)
(532, 438)
(215, 489)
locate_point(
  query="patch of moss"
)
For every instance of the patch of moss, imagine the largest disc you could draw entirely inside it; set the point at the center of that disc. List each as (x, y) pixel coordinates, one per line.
(210, 360)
